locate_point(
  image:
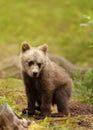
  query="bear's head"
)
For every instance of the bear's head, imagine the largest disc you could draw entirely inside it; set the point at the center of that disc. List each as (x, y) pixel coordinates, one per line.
(33, 60)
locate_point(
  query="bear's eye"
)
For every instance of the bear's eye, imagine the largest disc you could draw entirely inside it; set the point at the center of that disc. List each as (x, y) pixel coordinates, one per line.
(39, 65)
(30, 63)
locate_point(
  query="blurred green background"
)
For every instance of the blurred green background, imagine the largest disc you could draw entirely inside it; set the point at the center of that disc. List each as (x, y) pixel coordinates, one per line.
(55, 22)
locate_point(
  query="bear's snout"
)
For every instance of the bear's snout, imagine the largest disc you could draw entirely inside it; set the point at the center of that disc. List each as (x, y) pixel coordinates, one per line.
(35, 74)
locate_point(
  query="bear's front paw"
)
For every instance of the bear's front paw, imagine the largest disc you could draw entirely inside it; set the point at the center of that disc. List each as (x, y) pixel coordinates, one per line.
(25, 111)
(39, 116)
(58, 115)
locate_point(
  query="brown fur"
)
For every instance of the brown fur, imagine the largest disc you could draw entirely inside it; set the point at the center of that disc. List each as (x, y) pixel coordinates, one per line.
(46, 83)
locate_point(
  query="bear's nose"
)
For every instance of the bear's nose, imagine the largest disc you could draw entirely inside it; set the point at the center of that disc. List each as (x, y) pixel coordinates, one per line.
(35, 74)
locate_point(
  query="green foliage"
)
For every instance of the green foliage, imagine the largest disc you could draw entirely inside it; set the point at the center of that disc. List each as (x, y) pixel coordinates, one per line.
(55, 22)
(84, 87)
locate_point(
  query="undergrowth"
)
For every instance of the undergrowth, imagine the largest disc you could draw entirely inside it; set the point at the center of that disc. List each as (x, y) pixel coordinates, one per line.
(84, 87)
(48, 124)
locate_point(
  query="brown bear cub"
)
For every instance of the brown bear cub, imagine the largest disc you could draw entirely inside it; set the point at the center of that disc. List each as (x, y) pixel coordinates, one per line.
(45, 82)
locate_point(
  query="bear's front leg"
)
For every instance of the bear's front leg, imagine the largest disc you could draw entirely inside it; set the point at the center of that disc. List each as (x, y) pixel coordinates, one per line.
(31, 104)
(45, 109)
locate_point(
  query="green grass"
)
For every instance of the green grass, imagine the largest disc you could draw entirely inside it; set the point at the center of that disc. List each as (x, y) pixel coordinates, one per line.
(47, 124)
(12, 92)
(55, 22)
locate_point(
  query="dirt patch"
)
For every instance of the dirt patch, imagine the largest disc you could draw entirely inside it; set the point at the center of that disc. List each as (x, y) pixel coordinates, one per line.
(82, 115)
(81, 109)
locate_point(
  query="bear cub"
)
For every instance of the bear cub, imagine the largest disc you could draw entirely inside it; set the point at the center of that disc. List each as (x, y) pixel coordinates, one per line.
(45, 82)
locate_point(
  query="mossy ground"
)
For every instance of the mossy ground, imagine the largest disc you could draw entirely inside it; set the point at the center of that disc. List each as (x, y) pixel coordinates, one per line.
(12, 92)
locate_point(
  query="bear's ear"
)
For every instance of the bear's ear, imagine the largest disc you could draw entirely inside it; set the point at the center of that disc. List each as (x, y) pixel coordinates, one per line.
(43, 48)
(25, 46)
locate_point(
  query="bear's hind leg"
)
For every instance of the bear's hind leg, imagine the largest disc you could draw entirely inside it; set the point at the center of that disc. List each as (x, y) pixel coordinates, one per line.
(61, 100)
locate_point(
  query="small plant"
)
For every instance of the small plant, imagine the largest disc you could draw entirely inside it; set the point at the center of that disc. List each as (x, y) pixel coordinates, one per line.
(86, 21)
(88, 24)
(84, 87)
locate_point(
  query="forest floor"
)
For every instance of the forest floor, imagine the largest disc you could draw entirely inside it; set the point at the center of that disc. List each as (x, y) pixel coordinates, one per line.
(80, 117)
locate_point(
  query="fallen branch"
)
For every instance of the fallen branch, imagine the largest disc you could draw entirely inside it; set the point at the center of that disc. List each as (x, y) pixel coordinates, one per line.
(70, 68)
(11, 121)
(11, 66)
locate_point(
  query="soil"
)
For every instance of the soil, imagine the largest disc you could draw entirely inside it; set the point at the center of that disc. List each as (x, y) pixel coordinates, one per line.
(77, 108)
(80, 117)
(84, 114)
